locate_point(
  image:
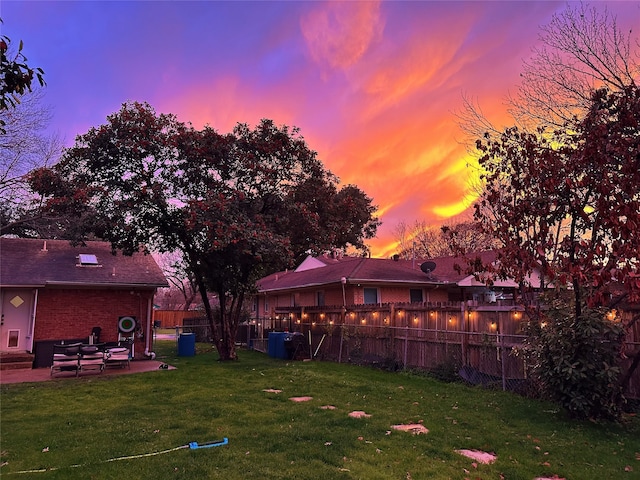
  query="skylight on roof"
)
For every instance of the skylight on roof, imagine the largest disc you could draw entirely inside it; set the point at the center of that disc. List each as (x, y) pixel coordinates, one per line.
(88, 259)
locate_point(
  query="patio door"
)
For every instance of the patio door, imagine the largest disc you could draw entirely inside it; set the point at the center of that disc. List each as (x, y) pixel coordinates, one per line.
(16, 319)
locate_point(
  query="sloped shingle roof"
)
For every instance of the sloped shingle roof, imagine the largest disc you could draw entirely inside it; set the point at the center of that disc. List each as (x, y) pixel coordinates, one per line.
(370, 270)
(36, 263)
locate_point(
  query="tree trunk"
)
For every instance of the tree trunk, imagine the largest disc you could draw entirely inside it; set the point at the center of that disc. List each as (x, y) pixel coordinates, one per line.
(208, 312)
(226, 343)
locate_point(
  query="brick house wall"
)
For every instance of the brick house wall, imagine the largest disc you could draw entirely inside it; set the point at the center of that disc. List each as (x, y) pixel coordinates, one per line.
(354, 295)
(72, 313)
(307, 298)
(333, 296)
(283, 300)
(394, 294)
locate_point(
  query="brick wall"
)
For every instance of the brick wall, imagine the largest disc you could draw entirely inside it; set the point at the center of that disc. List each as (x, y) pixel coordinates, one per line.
(393, 294)
(354, 295)
(72, 313)
(307, 298)
(333, 296)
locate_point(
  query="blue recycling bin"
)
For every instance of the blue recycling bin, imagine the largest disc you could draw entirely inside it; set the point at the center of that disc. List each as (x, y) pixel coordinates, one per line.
(187, 345)
(276, 347)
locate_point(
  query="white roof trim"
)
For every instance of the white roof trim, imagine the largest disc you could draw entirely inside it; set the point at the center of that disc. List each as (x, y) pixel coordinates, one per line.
(470, 281)
(532, 280)
(309, 263)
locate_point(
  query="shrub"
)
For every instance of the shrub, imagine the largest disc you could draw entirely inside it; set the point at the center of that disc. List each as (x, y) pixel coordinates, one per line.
(447, 371)
(576, 359)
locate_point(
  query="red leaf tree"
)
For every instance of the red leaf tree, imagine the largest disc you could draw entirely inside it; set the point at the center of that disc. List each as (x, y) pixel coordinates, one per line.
(567, 204)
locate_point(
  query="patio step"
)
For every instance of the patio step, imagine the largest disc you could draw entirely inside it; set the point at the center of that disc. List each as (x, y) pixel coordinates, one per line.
(16, 361)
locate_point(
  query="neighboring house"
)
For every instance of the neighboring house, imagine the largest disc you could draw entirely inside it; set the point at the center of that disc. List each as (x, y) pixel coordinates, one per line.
(343, 281)
(51, 291)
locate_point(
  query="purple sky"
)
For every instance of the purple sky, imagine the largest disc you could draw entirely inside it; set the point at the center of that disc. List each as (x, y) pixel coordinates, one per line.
(372, 86)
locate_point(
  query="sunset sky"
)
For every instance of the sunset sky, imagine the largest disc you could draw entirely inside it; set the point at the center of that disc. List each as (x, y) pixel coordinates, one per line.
(373, 86)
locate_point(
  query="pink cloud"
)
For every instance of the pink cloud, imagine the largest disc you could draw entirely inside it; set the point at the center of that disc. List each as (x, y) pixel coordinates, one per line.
(339, 33)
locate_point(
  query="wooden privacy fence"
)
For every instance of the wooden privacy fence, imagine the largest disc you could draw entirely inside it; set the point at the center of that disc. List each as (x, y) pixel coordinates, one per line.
(172, 318)
(481, 341)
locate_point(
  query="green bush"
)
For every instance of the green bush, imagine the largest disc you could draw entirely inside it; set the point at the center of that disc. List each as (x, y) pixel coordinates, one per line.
(576, 359)
(447, 371)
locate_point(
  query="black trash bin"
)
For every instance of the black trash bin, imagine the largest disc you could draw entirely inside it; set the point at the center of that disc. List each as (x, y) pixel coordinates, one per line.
(296, 346)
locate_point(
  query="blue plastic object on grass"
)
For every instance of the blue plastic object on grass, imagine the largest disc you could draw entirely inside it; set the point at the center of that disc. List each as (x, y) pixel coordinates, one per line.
(194, 445)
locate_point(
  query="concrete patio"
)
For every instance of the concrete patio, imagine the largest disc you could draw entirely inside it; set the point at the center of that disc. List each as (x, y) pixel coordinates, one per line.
(24, 375)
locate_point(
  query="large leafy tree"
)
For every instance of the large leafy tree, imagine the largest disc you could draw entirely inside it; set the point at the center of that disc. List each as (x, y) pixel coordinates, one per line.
(567, 204)
(235, 206)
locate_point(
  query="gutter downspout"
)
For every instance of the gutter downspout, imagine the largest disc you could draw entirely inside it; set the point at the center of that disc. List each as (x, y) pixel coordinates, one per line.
(147, 337)
(32, 327)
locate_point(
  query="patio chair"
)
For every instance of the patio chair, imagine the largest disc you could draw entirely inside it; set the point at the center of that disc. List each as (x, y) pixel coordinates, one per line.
(65, 358)
(118, 356)
(91, 357)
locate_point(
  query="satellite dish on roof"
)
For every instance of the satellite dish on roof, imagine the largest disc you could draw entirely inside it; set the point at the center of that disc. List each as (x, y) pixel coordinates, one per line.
(428, 267)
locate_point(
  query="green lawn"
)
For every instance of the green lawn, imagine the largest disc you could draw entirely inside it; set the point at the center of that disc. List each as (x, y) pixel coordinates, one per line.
(72, 427)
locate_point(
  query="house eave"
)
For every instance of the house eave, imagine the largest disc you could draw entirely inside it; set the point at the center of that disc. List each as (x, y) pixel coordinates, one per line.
(104, 285)
(295, 287)
(354, 281)
(420, 283)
